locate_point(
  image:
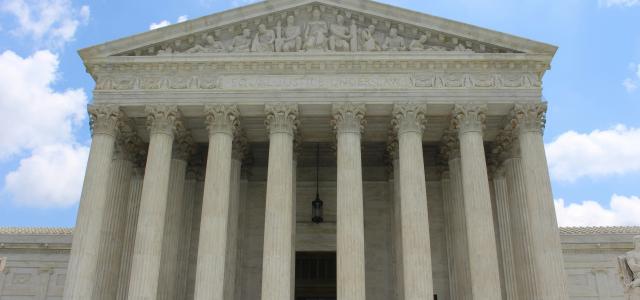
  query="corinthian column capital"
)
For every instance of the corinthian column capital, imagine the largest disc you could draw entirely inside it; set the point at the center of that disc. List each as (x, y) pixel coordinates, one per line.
(164, 119)
(349, 117)
(104, 119)
(469, 117)
(184, 146)
(450, 145)
(282, 118)
(222, 118)
(410, 117)
(529, 117)
(128, 146)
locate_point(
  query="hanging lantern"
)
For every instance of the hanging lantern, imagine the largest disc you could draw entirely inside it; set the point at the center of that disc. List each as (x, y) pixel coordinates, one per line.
(317, 205)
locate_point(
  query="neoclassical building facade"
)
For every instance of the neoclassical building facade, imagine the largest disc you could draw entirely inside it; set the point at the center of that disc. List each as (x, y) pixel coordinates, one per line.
(423, 137)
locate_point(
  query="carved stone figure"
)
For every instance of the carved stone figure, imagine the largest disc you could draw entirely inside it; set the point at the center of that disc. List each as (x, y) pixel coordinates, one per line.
(166, 50)
(437, 49)
(394, 42)
(291, 40)
(340, 38)
(242, 43)
(210, 45)
(3, 263)
(629, 267)
(418, 45)
(264, 40)
(369, 42)
(316, 33)
(462, 48)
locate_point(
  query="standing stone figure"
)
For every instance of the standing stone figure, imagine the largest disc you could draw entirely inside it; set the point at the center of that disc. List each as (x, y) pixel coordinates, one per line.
(369, 42)
(242, 43)
(629, 267)
(291, 40)
(394, 42)
(316, 33)
(340, 38)
(264, 39)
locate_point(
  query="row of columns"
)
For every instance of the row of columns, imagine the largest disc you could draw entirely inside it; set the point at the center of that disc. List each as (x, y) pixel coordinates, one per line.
(96, 271)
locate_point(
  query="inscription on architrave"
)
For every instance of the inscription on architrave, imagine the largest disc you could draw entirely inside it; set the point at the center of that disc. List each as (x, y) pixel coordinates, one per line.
(316, 82)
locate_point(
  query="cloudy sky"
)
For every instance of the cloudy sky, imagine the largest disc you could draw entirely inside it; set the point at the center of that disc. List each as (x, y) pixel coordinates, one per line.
(592, 136)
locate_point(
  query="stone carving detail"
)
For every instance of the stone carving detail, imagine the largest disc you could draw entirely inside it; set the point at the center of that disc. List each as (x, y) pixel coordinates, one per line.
(349, 117)
(469, 117)
(184, 146)
(163, 119)
(222, 118)
(410, 117)
(282, 118)
(128, 145)
(450, 148)
(104, 119)
(326, 29)
(629, 268)
(529, 117)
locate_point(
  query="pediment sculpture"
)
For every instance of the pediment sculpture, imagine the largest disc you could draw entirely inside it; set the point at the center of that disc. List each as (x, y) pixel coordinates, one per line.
(316, 28)
(629, 268)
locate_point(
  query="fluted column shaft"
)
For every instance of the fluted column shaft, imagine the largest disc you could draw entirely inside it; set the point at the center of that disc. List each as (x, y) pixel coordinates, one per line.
(222, 122)
(349, 123)
(445, 183)
(279, 228)
(147, 253)
(83, 261)
(232, 236)
(168, 283)
(483, 253)
(133, 209)
(504, 227)
(190, 192)
(397, 223)
(462, 275)
(113, 227)
(409, 122)
(529, 122)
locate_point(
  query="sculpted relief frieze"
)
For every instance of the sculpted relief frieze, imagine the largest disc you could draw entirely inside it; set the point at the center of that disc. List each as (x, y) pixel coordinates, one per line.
(432, 80)
(316, 28)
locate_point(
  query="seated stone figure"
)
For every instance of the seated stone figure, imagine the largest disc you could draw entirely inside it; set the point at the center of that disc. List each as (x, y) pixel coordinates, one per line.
(264, 40)
(369, 42)
(291, 39)
(340, 38)
(210, 45)
(242, 43)
(316, 33)
(418, 45)
(629, 268)
(394, 42)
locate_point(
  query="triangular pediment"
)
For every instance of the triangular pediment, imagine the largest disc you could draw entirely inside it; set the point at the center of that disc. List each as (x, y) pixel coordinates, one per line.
(317, 26)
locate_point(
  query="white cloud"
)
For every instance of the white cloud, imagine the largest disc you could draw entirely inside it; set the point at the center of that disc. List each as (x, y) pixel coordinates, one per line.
(575, 155)
(165, 23)
(48, 22)
(631, 83)
(31, 112)
(622, 211)
(38, 124)
(52, 176)
(623, 3)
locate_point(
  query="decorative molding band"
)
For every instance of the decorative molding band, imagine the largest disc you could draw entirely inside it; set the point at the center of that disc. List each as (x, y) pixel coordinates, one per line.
(424, 80)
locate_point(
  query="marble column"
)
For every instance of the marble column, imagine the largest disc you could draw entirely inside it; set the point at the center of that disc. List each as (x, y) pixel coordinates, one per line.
(408, 122)
(195, 235)
(460, 278)
(222, 122)
(348, 120)
(239, 149)
(445, 183)
(83, 261)
(528, 121)
(504, 232)
(392, 149)
(186, 240)
(183, 148)
(484, 269)
(113, 224)
(147, 252)
(133, 208)
(279, 229)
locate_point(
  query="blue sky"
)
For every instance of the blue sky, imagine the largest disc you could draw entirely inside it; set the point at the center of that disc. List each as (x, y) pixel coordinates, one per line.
(592, 136)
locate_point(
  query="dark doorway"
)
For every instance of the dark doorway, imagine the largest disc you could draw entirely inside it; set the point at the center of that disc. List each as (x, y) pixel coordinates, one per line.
(316, 276)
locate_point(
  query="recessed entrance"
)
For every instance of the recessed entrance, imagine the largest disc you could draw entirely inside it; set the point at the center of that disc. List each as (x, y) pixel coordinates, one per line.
(316, 276)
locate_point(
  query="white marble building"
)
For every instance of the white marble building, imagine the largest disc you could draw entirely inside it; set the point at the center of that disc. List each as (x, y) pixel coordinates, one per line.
(203, 168)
